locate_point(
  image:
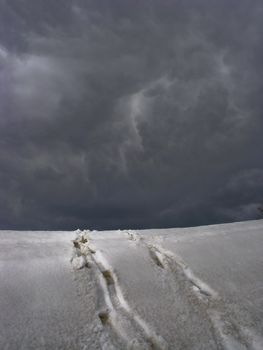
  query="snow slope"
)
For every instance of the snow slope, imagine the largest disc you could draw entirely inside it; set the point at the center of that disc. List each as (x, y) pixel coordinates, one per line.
(42, 305)
(192, 288)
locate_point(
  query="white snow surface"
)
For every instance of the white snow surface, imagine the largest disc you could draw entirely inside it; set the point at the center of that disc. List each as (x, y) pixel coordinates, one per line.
(190, 288)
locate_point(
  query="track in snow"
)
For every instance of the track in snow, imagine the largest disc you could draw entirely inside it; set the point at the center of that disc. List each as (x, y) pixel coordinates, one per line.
(117, 314)
(232, 336)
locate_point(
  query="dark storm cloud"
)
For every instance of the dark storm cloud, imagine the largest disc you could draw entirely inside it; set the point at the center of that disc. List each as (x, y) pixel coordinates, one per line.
(130, 114)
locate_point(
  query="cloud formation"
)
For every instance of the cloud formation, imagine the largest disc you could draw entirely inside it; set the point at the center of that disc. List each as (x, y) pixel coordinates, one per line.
(121, 114)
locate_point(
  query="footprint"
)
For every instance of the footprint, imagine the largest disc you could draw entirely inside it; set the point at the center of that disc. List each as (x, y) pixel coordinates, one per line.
(156, 259)
(76, 244)
(104, 317)
(83, 240)
(108, 276)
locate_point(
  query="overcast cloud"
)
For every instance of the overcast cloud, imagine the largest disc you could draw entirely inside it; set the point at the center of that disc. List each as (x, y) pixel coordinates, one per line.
(130, 114)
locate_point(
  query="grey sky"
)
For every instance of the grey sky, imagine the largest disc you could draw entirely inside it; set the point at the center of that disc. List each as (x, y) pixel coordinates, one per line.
(133, 114)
